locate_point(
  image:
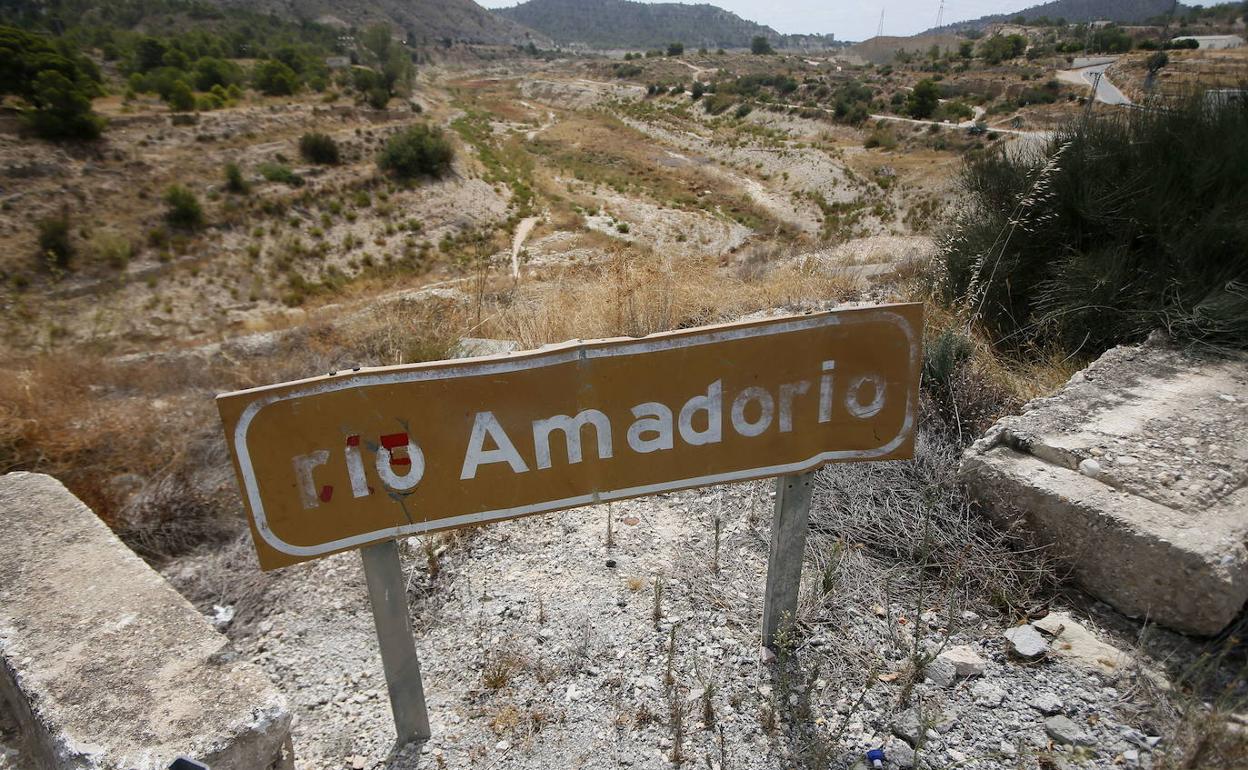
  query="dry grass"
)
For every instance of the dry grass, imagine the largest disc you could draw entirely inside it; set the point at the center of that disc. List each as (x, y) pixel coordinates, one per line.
(635, 295)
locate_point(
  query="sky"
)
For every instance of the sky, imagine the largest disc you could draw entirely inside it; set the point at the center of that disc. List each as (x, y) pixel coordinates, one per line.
(855, 19)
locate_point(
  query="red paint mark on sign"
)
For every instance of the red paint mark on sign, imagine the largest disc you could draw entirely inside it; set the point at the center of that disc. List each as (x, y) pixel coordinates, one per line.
(327, 492)
(353, 440)
(394, 440)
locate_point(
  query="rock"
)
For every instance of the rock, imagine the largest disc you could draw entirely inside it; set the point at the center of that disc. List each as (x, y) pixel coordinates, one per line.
(1131, 758)
(766, 656)
(908, 727)
(117, 668)
(1026, 642)
(1063, 730)
(941, 673)
(899, 753)
(1174, 553)
(1007, 749)
(1072, 641)
(1046, 703)
(965, 661)
(987, 694)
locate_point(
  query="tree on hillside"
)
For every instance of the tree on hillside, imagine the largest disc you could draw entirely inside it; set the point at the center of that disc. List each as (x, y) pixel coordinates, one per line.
(759, 46)
(56, 85)
(675, 49)
(274, 78)
(999, 48)
(923, 100)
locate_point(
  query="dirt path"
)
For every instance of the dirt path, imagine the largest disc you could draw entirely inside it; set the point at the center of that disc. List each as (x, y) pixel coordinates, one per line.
(517, 243)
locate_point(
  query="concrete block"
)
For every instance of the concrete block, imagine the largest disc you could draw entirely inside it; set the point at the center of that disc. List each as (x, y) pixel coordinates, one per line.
(1135, 474)
(104, 664)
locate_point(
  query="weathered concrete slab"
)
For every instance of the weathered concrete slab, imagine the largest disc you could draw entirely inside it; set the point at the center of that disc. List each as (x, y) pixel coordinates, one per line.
(104, 664)
(1135, 472)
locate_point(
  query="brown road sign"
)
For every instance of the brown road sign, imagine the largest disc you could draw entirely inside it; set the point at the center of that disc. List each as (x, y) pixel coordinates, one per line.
(342, 461)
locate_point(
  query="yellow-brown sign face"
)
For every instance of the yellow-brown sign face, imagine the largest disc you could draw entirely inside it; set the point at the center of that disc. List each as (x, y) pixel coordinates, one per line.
(350, 459)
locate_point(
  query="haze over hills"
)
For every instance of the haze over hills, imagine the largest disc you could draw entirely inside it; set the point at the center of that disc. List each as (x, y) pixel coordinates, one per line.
(626, 24)
(1074, 11)
(421, 20)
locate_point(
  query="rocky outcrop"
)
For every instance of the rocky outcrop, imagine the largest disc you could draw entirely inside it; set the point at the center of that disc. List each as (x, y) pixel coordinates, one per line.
(1134, 473)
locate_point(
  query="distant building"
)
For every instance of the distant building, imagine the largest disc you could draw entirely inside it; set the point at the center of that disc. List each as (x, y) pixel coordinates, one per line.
(1100, 23)
(337, 62)
(1214, 42)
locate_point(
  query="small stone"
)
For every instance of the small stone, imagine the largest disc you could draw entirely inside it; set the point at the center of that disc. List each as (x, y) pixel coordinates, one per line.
(1046, 703)
(1026, 642)
(987, 694)
(766, 656)
(966, 662)
(1090, 468)
(1131, 758)
(899, 753)
(1188, 441)
(611, 563)
(503, 745)
(907, 727)
(1062, 730)
(941, 673)
(1008, 749)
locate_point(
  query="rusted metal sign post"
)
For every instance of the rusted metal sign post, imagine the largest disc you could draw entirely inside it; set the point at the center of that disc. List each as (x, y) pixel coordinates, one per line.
(357, 459)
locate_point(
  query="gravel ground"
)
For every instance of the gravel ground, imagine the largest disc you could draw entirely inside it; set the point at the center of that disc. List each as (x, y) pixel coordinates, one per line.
(540, 648)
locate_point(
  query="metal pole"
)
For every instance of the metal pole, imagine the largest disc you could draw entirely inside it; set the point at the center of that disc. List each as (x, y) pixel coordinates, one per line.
(788, 543)
(388, 594)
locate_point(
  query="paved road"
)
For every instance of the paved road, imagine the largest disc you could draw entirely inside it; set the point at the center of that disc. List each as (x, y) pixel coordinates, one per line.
(1106, 92)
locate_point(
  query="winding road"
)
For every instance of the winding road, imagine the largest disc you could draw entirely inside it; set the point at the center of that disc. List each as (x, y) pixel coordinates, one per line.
(1093, 76)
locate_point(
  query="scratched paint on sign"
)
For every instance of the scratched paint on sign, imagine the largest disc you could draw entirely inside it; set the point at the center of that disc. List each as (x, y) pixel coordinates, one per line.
(341, 461)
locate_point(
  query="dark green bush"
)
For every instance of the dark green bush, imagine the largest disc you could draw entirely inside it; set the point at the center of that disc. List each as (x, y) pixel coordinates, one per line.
(420, 150)
(275, 78)
(180, 98)
(184, 211)
(759, 46)
(234, 181)
(55, 247)
(318, 148)
(1120, 226)
(56, 81)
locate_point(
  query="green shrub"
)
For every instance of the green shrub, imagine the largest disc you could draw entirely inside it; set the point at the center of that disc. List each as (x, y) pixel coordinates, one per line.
(55, 247)
(183, 210)
(923, 100)
(420, 150)
(1119, 226)
(318, 148)
(110, 248)
(55, 80)
(234, 181)
(280, 172)
(61, 109)
(881, 136)
(181, 99)
(759, 46)
(675, 49)
(742, 110)
(274, 78)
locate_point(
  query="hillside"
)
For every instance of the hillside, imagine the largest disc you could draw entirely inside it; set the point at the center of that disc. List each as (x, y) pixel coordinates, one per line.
(424, 21)
(625, 24)
(1073, 11)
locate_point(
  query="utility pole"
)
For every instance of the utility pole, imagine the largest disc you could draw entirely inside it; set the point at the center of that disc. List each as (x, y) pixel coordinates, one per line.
(940, 15)
(879, 31)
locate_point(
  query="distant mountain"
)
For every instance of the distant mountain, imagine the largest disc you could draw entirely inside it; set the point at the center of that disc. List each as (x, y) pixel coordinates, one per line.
(626, 24)
(422, 20)
(1075, 11)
